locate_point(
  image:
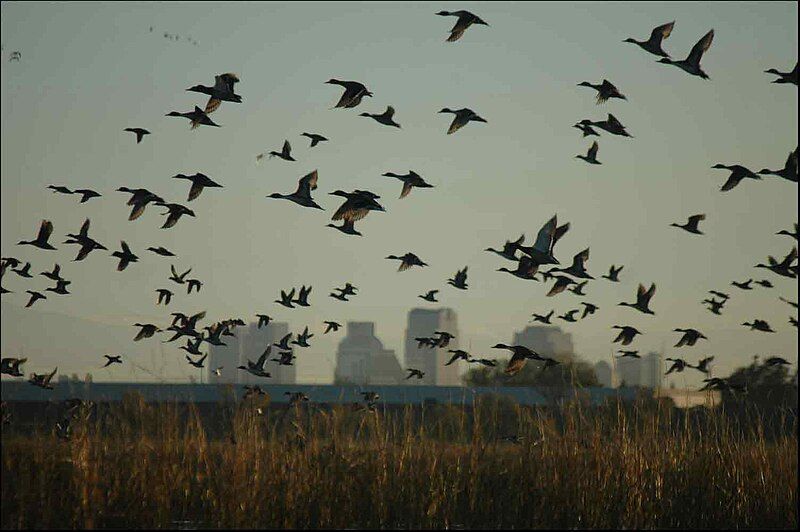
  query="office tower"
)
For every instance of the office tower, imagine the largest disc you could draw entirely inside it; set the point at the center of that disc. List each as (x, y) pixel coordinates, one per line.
(629, 371)
(361, 358)
(651, 370)
(424, 322)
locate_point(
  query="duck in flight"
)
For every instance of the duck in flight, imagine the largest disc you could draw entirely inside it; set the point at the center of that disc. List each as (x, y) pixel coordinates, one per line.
(702, 365)
(653, 44)
(174, 213)
(283, 345)
(789, 170)
(406, 261)
(692, 63)
(41, 240)
(784, 268)
(410, 180)
(139, 132)
(509, 248)
(691, 225)
(358, 204)
(285, 153)
(331, 326)
(197, 363)
(459, 280)
(543, 318)
(586, 129)
(738, 173)
(87, 194)
(315, 139)
(643, 297)
(164, 295)
(578, 288)
(462, 117)
(199, 182)
(60, 288)
(628, 354)
(430, 296)
(626, 334)
(605, 91)
(287, 298)
(10, 366)
(570, 315)
(765, 283)
(87, 243)
(125, 256)
(302, 338)
(263, 320)
(112, 359)
(610, 124)
(42, 380)
(59, 189)
(139, 199)
(164, 252)
(302, 297)
(302, 196)
(588, 309)
(560, 285)
(743, 285)
(458, 354)
(591, 155)
(678, 365)
(223, 90)
(257, 368)
(180, 279)
(548, 236)
(784, 77)
(25, 271)
(353, 93)
(196, 117)
(54, 275)
(415, 373)
(465, 20)
(35, 296)
(386, 118)
(714, 306)
(690, 337)
(759, 325)
(146, 330)
(526, 269)
(613, 273)
(578, 266)
(520, 356)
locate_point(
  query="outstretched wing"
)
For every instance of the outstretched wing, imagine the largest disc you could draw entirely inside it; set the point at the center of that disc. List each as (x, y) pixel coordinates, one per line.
(661, 32)
(700, 48)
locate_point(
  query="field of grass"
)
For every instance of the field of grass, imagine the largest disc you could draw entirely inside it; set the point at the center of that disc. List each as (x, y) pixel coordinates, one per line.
(140, 465)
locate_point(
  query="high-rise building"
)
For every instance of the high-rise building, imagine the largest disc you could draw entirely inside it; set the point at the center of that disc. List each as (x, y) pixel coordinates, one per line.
(547, 341)
(253, 343)
(361, 358)
(651, 370)
(225, 356)
(605, 376)
(425, 322)
(629, 371)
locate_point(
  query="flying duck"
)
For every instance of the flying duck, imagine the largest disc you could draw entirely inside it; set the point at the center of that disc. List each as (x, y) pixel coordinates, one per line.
(692, 63)
(285, 153)
(738, 172)
(560, 285)
(386, 118)
(430, 295)
(783, 268)
(691, 224)
(589, 309)
(459, 280)
(626, 334)
(198, 363)
(353, 93)
(283, 345)
(643, 297)
(42, 380)
(24, 271)
(543, 318)
(702, 365)
(678, 365)
(146, 330)
(263, 320)
(35, 296)
(459, 354)
(10, 366)
(199, 182)
(483, 361)
(721, 295)
(444, 338)
(547, 237)
(613, 273)
(331, 326)
(578, 266)
(174, 213)
(359, 203)
(653, 44)
(591, 155)
(302, 296)
(509, 248)
(520, 356)
(604, 90)
(315, 139)
(415, 373)
(41, 240)
(257, 368)
(112, 359)
(59, 288)
(139, 132)
(339, 296)
(578, 288)
(772, 361)
(285, 358)
(302, 196)
(788, 302)
(465, 20)
(193, 347)
(193, 283)
(586, 129)
(196, 117)
(406, 261)
(164, 252)
(611, 124)
(784, 77)
(629, 354)
(714, 306)
(789, 170)
(690, 337)
(125, 256)
(410, 180)
(87, 244)
(744, 286)
(180, 279)
(139, 199)
(759, 325)
(462, 116)
(164, 295)
(287, 298)
(570, 315)
(526, 269)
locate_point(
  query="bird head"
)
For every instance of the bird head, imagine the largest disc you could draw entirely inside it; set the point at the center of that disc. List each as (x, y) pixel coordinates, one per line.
(629, 39)
(500, 346)
(772, 71)
(173, 113)
(443, 13)
(719, 166)
(584, 84)
(275, 195)
(446, 110)
(333, 81)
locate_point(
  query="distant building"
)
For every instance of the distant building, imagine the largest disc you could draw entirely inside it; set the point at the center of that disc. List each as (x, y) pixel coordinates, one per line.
(253, 343)
(651, 370)
(605, 375)
(226, 356)
(547, 341)
(629, 371)
(249, 343)
(361, 358)
(424, 322)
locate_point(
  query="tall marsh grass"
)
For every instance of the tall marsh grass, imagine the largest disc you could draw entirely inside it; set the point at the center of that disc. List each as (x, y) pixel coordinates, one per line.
(141, 465)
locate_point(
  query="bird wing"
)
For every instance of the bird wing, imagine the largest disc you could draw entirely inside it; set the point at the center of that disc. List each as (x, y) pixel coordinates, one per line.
(45, 230)
(84, 232)
(700, 48)
(544, 238)
(389, 113)
(406, 189)
(287, 148)
(195, 191)
(592, 154)
(613, 122)
(459, 28)
(695, 219)
(515, 364)
(457, 123)
(307, 183)
(662, 32)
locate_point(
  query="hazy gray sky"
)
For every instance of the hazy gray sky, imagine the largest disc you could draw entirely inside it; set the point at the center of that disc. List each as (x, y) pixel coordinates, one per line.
(88, 70)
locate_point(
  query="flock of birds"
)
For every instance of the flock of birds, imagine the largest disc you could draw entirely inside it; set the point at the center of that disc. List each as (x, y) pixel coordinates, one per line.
(528, 260)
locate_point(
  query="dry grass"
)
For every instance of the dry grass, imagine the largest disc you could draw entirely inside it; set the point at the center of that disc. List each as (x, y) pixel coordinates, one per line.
(154, 466)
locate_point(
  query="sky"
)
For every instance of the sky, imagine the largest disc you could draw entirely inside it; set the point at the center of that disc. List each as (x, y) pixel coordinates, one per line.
(89, 70)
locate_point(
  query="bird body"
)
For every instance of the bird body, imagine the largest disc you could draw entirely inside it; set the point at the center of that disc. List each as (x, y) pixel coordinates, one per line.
(692, 62)
(465, 20)
(386, 118)
(461, 118)
(653, 44)
(407, 261)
